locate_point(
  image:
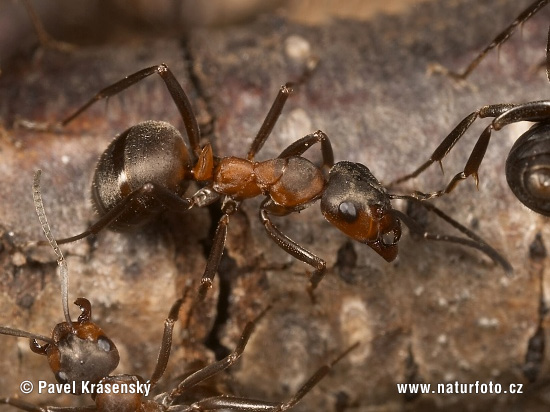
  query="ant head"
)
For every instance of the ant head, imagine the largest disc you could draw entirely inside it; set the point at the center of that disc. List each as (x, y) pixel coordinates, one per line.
(358, 205)
(80, 352)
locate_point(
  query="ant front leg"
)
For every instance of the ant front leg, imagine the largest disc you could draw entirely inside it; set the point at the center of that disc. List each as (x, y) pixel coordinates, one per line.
(228, 208)
(293, 248)
(166, 344)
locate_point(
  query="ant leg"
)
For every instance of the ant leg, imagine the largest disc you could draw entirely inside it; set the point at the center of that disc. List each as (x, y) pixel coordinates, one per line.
(452, 138)
(532, 112)
(243, 404)
(294, 249)
(276, 109)
(498, 40)
(216, 367)
(270, 120)
(229, 206)
(166, 344)
(300, 146)
(548, 57)
(24, 406)
(214, 257)
(44, 38)
(163, 195)
(475, 241)
(176, 91)
(29, 407)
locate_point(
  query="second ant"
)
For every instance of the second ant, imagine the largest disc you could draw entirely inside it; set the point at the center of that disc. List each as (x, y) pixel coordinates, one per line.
(148, 168)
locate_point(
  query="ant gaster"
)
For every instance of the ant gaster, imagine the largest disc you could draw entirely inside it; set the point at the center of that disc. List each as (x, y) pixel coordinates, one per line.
(111, 400)
(528, 163)
(148, 167)
(77, 351)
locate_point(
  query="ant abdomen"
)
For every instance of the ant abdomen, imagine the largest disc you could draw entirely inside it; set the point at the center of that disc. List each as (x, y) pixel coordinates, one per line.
(528, 168)
(151, 152)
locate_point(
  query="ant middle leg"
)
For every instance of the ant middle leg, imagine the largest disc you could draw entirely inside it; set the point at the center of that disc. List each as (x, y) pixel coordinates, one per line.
(215, 255)
(166, 343)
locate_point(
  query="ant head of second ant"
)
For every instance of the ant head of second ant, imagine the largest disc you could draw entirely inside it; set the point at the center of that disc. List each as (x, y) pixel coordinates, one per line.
(81, 351)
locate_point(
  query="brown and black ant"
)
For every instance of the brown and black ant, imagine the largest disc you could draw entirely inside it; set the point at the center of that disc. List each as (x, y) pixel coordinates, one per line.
(81, 355)
(149, 166)
(528, 163)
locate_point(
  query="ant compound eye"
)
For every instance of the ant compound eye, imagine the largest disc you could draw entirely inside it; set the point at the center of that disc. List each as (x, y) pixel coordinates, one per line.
(104, 344)
(390, 238)
(62, 377)
(348, 211)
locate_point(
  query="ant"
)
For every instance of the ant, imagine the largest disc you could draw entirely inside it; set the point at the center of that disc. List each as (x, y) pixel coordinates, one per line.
(528, 163)
(77, 360)
(77, 351)
(501, 38)
(148, 168)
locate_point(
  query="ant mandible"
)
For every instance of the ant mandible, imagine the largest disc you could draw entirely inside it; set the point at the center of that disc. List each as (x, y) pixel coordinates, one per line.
(73, 358)
(528, 163)
(149, 166)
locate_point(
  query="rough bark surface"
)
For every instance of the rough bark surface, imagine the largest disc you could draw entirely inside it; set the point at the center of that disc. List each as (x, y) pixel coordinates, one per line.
(440, 313)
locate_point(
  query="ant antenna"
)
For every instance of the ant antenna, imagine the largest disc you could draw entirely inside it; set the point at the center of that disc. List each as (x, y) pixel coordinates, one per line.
(63, 270)
(474, 241)
(23, 334)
